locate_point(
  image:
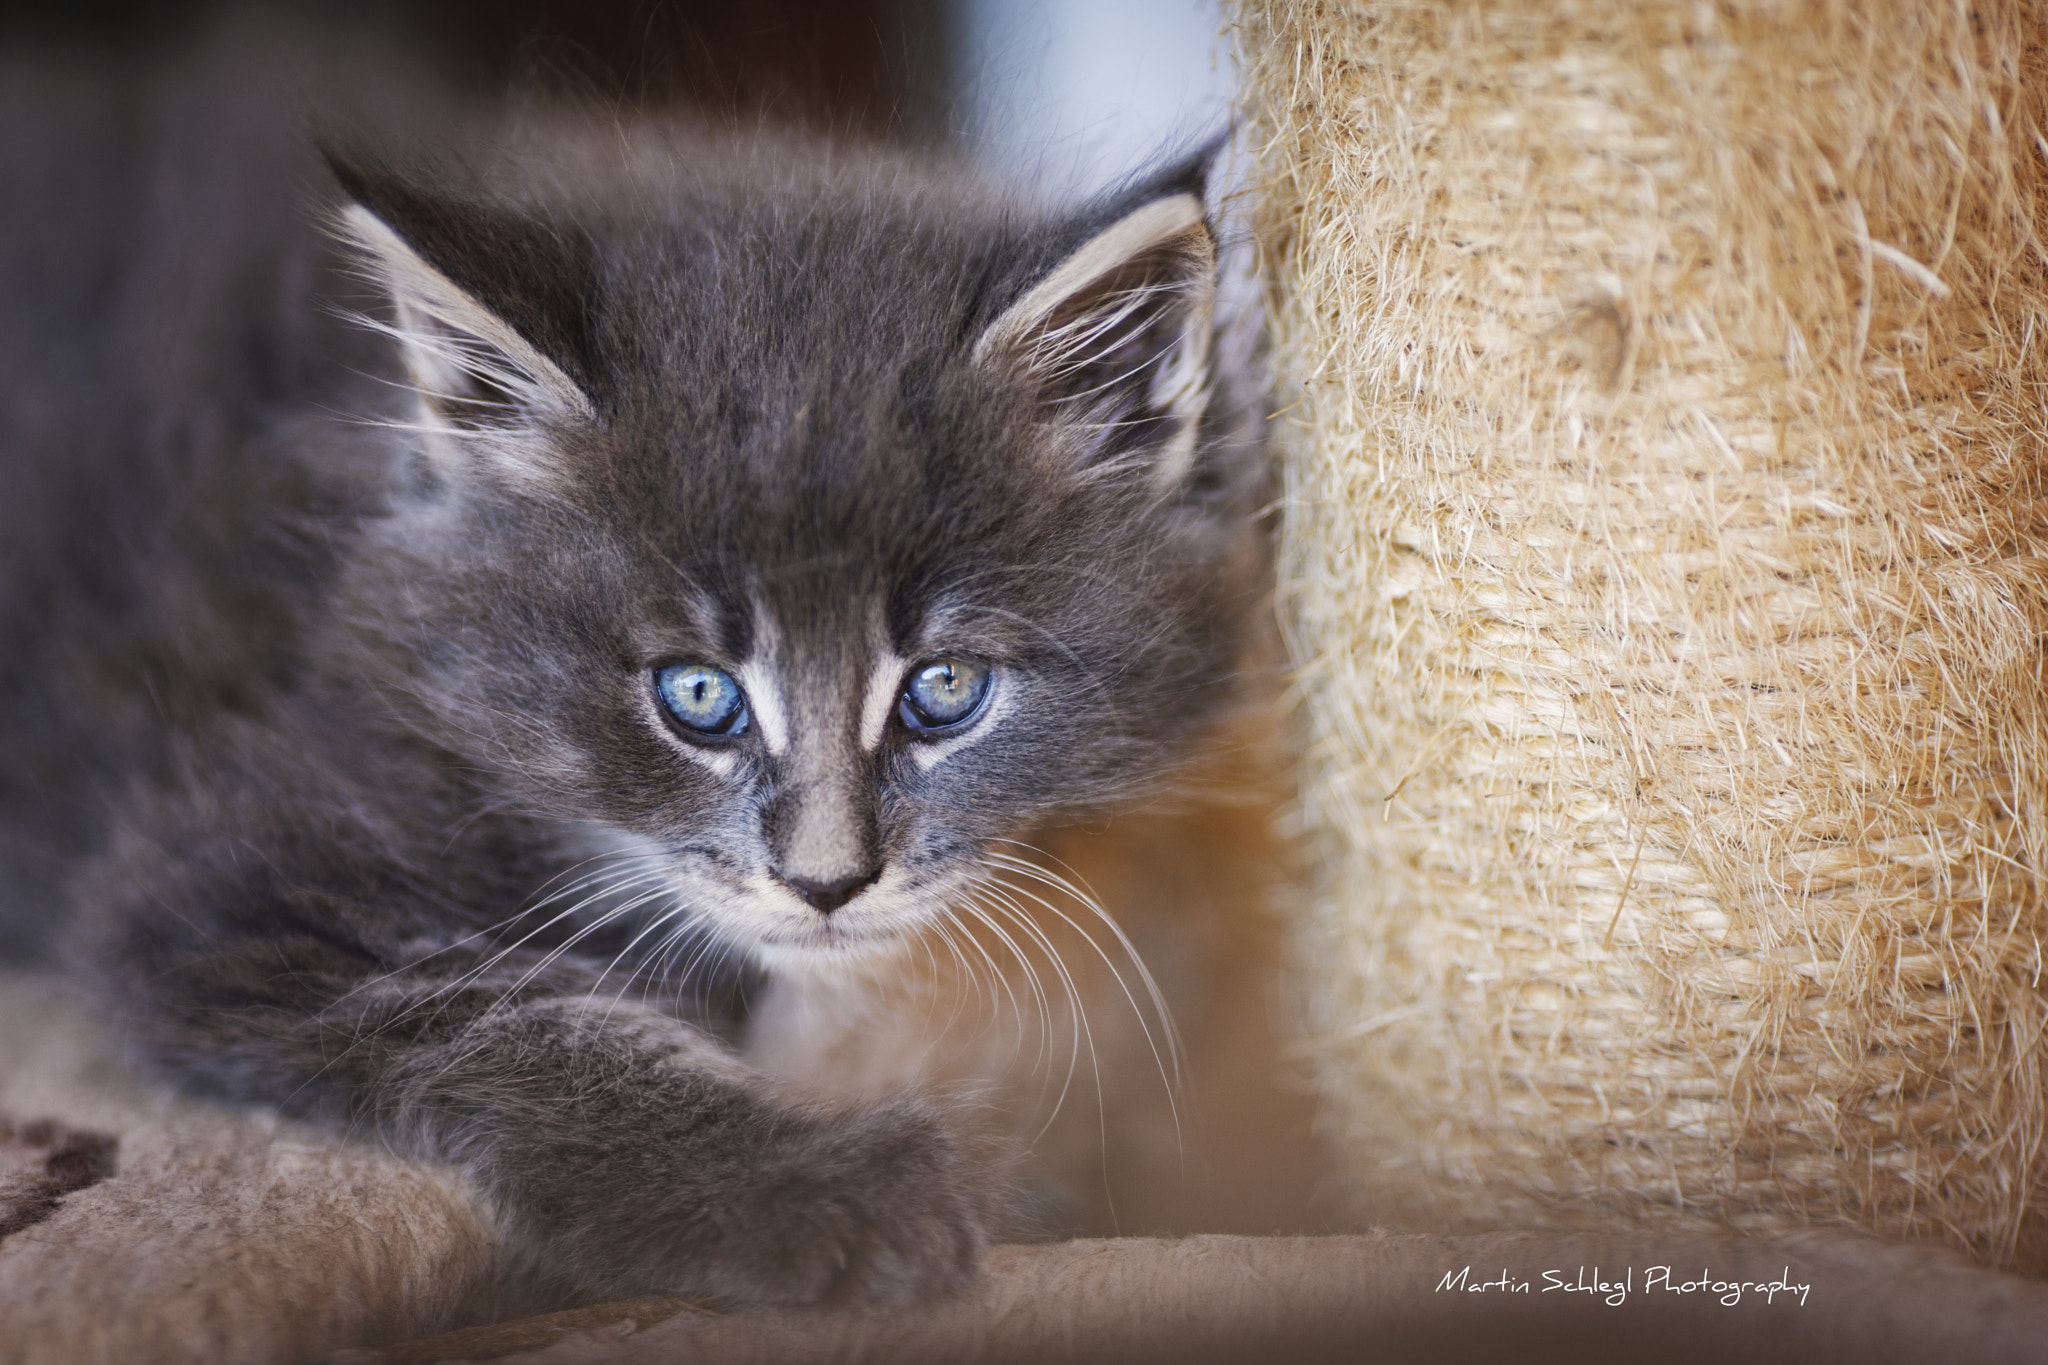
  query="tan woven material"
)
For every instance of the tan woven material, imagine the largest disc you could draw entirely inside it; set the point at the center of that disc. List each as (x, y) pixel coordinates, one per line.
(1664, 570)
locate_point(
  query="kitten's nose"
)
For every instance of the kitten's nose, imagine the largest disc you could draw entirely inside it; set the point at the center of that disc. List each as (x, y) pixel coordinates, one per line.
(825, 897)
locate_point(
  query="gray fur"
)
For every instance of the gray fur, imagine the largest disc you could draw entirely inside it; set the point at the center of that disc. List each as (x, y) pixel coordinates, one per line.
(333, 699)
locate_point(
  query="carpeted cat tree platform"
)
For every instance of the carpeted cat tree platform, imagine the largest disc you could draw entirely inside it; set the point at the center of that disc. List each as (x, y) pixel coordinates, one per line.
(1663, 566)
(139, 1227)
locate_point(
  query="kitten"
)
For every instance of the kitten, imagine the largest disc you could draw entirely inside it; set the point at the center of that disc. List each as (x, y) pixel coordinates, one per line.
(712, 552)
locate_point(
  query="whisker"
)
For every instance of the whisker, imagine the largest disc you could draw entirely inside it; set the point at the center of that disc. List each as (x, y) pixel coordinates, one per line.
(1082, 1030)
(1041, 1061)
(654, 923)
(1087, 899)
(998, 977)
(991, 887)
(702, 937)
(1035, 987)
(619, 873)
(985, 1014)
(1168, 1064)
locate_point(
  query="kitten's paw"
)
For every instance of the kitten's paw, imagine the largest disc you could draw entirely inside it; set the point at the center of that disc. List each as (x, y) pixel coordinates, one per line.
(761, 1205)
(883, 1207)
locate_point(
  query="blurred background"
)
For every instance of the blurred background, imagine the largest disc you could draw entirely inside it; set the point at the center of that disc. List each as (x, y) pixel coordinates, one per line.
(1070, 93)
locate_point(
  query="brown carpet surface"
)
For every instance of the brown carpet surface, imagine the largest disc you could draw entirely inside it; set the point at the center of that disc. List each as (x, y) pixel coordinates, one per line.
(149, 1228)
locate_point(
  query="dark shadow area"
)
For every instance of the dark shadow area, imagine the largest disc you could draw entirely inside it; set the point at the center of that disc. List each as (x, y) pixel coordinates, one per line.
(878, 67)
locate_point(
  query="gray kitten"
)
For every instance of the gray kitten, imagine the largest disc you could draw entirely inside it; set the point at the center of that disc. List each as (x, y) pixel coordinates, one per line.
(710, 550)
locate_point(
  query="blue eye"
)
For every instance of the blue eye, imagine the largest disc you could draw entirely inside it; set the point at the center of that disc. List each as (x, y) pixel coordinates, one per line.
(943, 694)
(703, 699)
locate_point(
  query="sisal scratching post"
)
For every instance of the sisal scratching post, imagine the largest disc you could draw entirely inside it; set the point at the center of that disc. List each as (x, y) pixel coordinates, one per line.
(1664, 569)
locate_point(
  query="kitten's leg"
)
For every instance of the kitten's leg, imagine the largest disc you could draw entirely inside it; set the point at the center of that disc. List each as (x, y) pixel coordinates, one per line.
(640, 1157)
(630, 1150)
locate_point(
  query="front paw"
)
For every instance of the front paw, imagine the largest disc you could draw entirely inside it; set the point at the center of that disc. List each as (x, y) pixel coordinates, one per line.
(753, 1202)
(883, 1207)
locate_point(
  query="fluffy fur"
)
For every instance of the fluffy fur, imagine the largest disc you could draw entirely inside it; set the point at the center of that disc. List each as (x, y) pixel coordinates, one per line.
(403, 835)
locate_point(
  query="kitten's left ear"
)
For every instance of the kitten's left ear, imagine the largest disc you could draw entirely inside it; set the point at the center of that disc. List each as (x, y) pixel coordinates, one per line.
(1116, 335)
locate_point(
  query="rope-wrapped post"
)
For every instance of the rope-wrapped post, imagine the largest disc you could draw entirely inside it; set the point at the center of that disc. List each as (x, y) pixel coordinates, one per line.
(1665, 566)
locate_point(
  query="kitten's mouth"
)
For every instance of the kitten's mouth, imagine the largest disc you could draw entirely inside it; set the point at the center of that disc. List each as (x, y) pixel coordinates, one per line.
(827, 945)
(868, 927)
(823, 934)
(839, 931)
(770, 923)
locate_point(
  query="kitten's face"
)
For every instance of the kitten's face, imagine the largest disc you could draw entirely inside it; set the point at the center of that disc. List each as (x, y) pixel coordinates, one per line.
(816, 539)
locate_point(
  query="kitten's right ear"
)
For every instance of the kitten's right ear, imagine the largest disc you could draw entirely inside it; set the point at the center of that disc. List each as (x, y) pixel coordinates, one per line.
(492, 310)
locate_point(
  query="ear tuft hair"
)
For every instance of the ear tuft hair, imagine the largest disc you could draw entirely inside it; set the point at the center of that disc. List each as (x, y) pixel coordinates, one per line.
(1115, 338)
(491, 309)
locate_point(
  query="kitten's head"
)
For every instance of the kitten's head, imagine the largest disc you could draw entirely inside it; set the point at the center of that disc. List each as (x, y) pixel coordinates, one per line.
(821, 523)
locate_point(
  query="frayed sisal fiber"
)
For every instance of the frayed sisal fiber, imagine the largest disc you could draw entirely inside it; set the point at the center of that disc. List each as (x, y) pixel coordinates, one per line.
(1664, 568)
